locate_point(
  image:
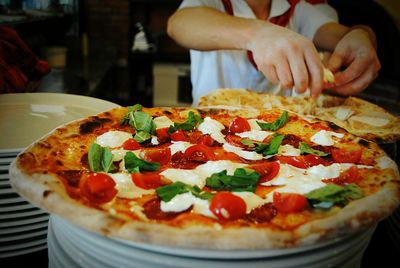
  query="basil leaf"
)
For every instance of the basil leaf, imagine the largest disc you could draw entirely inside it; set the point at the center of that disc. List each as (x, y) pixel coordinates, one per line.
(142, 121)
(190, 123)
(107, 161)
(243, 180)
(142, 136)
(306, 149)
(333, 194)
(133, 163)
(270, 148)
(167, 192)
(94, 156)
(353, 192)
(100, 159)
(273, 146)
(278, 123)
(131, 109)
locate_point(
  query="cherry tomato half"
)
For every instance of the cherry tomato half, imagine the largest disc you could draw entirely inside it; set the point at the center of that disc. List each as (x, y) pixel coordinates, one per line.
(179, 135)
(162, 134)
(146, 180)
(238, 125)
(289, 202)
(131, 144)
(97, 187)
(267, 170)
(206, 140)
(199, 153)
(345, 156)
(235, 141)
(227, 206)
(301, 161)
(160, 155)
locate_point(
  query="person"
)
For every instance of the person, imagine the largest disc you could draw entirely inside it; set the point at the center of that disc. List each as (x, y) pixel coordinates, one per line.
(258, 44)
(20, 69)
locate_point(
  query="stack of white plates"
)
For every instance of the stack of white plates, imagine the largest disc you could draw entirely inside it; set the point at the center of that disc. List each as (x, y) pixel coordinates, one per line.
(72, 246)
(23, 227)
(24, 118)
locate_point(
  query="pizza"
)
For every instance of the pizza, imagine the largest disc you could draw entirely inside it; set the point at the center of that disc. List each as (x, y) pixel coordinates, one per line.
(209, 177)
(357, 116)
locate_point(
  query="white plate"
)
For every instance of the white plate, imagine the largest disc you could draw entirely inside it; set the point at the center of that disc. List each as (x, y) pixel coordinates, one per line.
(40, 241)
(17, 237)
(94, 250)
(6, 160)
(12, 200)
(24, 228)
(15, 208)
(57, 257)
(9, 152)
(26, 117)
(6, 224)
(5, 183)
(23, 251)
(21, 214)
(7, 191)
(4, 167)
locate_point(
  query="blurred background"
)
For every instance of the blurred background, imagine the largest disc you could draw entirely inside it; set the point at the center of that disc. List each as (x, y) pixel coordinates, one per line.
(119, 50)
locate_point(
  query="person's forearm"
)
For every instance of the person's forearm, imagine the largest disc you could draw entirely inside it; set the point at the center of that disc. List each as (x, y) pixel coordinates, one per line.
(204, 28)
(329, 35)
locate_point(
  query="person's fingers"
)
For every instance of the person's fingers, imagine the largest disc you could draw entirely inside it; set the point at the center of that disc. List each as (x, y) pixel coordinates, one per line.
(336, 61)
(299, 71)
(354, 70)
(284, 73)
(315, 70)
(270, 72)
(357, 85)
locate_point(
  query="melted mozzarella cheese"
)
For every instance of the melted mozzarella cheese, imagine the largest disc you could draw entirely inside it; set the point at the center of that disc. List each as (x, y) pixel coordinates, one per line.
(294, 180)
(257, 135)
(126, 188)
(324, 137)
(154, 140)
(251, 199)
(288, 150)
(184, 175)
(179, 146)
(114, 138)
(302, 181)
(343, 113)
(162, 122)
(213, 128)
(249, 155)
(253, 124)
(184, 201)
(198, 175)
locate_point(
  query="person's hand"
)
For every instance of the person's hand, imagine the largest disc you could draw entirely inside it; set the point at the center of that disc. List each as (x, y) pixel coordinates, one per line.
(356, 52)
(288, 58)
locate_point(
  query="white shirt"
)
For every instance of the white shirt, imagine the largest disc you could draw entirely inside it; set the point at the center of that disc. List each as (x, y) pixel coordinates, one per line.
(211, 70)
